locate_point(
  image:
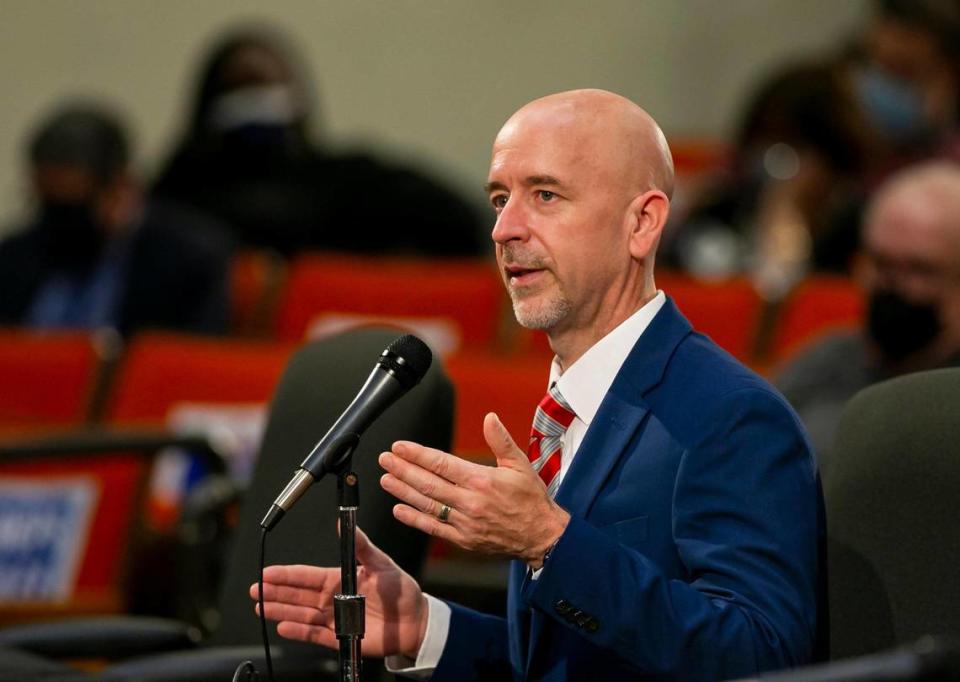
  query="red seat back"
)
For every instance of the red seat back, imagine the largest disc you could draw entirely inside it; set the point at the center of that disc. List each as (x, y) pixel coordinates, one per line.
(255, 280)
(727, 311)
(510, 386)
(79, 515)
(166, 375)
(819, 305)
(161, 370)
(47, 378)
(466, 292)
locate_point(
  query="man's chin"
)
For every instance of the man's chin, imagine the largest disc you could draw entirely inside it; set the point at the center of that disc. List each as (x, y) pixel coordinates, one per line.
(539, 317)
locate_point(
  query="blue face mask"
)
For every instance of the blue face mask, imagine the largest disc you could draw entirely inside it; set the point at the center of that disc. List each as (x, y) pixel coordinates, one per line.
(893, 106)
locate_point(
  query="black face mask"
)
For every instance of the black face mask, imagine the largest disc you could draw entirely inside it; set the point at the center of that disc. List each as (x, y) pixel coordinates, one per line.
(75, 241)
(258, 136)
(899, 326)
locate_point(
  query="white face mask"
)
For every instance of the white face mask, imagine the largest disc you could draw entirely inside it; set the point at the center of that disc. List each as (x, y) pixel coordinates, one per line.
(270, 105)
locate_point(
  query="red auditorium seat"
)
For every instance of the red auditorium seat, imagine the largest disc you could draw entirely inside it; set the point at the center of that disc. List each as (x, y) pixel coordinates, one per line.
(818, 306)
(728, 311)
(465, 293)
(697, 156)
(255, 280)
(511, 386)
(79, 520)
(198, 386)
(48, 378)
(160, 370)
(106, 500)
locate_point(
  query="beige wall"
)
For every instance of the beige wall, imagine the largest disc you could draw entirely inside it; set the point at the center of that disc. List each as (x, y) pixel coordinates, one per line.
(425, 79)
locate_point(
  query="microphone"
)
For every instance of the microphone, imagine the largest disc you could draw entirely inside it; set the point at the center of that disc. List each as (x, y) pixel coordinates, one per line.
(399, 368)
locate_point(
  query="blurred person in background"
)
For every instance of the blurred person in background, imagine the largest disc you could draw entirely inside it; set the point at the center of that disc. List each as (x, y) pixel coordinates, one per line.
(247, 157)
(781, 210)
(906, 74)
(909, 270)
(96, 253)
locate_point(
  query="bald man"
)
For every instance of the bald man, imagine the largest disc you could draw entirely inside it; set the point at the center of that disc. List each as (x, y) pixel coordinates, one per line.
(909, 271)
(667, 522)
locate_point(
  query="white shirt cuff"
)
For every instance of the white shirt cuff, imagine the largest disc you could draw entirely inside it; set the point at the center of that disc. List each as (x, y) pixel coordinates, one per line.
(438, 627)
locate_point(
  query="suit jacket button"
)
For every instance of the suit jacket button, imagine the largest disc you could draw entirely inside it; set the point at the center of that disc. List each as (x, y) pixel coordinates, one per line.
(563, 607)
(591, 625)
(582, 619)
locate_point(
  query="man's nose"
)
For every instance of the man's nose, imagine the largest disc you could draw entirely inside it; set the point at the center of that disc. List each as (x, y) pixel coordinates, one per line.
(512, 224)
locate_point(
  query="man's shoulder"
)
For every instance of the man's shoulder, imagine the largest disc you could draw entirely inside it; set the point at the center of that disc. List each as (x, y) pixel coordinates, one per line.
(703, 387)
(705, 369)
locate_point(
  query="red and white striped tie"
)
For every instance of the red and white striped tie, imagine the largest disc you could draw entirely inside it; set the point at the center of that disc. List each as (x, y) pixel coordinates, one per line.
(550, 422)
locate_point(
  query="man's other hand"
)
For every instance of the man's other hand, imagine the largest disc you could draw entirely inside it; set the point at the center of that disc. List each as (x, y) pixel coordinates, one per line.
(300, 598)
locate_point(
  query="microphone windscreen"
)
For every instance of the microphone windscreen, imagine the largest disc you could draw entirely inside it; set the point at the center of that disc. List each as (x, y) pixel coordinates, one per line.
(409, 358)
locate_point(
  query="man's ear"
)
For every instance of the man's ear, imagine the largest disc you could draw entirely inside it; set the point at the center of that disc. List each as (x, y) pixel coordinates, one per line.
(648, 213)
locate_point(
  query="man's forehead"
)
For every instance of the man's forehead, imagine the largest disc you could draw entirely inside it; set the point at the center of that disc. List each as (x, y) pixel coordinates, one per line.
(540, 161)
(550, 119)
(546, 147)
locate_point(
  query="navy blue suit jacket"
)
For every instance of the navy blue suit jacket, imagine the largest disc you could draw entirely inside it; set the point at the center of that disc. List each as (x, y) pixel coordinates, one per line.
(694, 550)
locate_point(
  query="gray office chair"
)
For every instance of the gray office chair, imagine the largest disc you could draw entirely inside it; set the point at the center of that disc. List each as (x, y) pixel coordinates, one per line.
(893, 502)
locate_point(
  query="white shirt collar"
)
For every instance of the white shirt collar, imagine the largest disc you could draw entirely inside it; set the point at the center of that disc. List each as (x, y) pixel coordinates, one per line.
(587, 380)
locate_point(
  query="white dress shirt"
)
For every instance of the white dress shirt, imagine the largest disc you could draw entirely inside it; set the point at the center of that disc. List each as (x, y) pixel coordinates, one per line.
(583, 385)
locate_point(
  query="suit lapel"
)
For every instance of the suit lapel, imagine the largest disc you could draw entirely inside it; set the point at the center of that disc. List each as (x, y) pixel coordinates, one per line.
(622, 410)
(612, 430)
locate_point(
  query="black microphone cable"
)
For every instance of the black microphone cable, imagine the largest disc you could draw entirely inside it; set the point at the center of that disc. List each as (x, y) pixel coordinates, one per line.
(263, 616)
(247, 671)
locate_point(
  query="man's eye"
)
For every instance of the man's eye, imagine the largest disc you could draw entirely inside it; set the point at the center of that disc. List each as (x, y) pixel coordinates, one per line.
(546, 195)
(499, 201)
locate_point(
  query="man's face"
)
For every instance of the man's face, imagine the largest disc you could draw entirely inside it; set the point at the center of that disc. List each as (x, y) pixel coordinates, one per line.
(914, 58)
(64, 184)
(911, 249)
(561, 230)
(908, 248)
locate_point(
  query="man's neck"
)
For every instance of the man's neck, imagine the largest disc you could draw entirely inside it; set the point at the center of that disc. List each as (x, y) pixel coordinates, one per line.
(571, 343)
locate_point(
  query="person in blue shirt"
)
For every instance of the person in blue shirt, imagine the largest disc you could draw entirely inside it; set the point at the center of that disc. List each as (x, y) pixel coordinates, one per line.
(96, 253)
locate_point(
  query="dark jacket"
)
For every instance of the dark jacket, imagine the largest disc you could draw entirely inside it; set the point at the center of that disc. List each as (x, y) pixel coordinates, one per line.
(175, 276)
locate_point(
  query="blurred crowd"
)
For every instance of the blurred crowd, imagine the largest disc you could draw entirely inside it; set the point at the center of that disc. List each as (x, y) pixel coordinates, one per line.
(847, 163)
(844, 162)
(106, 247)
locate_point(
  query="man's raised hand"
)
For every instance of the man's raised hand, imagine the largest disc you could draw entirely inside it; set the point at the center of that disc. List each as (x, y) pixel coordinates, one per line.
(495, 510)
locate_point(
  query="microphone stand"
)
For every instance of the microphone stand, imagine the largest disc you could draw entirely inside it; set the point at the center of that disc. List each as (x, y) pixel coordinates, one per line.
(348, 607)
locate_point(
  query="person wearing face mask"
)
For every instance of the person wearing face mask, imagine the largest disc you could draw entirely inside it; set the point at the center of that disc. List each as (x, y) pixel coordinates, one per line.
(779, 210)
(96, 253)
(909, 270)
(248, 158)
(906, 75)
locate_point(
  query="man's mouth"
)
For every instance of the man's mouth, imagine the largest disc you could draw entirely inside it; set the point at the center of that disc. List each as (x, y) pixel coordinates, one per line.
(521, 276)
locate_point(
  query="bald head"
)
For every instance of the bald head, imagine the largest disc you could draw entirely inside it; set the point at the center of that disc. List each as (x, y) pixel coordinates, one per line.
(609, 133)
(580, 182)
(919, 209)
